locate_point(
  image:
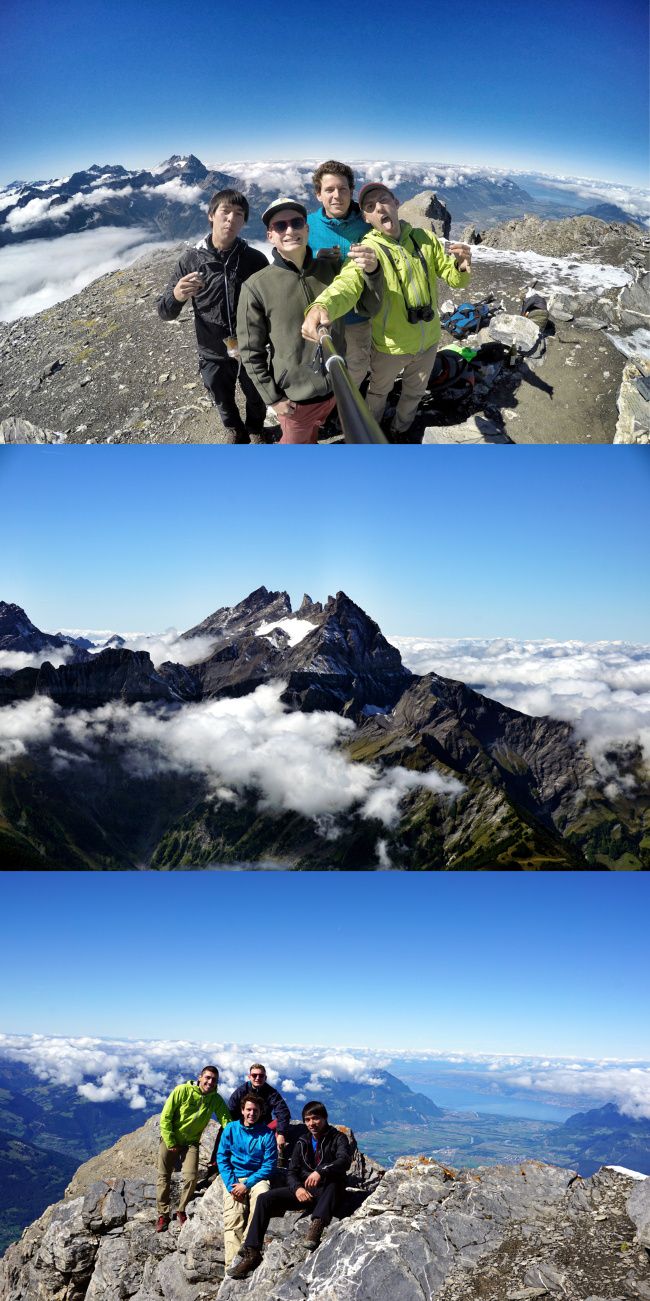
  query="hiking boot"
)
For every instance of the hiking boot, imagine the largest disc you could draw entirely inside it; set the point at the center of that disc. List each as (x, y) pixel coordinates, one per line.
(249, 1259)
(181, 1218)
(312, 1241)
(162, 1223)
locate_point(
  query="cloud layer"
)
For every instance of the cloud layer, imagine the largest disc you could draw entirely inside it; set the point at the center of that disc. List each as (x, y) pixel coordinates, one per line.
(33, 277)
(291, 760)
(141, 1072)
(603, 688)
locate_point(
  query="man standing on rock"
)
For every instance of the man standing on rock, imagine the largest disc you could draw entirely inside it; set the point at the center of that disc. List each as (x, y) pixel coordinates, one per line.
(271, 311)
(406, 331)
(247, 1157)
(316, 1182)
(275, 1112)
(184, 1116)
(333, 229)
(212, 275)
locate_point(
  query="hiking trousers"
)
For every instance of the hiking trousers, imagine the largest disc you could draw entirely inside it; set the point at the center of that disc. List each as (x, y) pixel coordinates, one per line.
(303, 424)
(280, 1200)
(236, 1216)
(358, 345)
(220, 374)
(189, 1170)
(384, 370)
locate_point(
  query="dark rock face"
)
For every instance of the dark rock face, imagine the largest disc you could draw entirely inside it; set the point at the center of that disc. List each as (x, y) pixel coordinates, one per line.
(18, 633)
(110, 675)
(419, 1232)
(261, 606)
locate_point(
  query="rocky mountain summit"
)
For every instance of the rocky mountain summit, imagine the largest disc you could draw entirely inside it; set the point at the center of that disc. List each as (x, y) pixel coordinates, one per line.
(477, 784)
(418, 1232)
(102, 367)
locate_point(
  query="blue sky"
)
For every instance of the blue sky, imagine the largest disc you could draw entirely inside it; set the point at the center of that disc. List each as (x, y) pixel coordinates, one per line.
(542, 963)
(505, 542)
(560, 87)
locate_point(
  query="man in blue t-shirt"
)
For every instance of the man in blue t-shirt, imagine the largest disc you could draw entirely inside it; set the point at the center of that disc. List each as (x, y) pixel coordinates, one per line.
(333, 229)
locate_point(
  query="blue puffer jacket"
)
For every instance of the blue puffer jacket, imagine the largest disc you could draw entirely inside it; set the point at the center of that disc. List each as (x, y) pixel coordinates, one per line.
(325, 231)
(246, 1155)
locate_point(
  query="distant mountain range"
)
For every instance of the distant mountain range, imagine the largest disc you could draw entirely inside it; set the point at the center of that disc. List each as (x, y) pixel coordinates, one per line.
(435, 774)
(171, 199)
(47, 1130)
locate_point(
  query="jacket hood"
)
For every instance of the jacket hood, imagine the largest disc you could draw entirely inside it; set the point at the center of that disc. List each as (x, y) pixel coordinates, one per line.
(280, 261)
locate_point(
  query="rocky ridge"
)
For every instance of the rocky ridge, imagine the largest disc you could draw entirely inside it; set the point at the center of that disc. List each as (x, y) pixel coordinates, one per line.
(418, 1232)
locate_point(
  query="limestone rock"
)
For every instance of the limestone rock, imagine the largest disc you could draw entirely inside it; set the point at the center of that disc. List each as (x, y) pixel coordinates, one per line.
(633, 425)
(427, 211)
(634, 303)
(507, 329)
(638, 1208)
(15, 429)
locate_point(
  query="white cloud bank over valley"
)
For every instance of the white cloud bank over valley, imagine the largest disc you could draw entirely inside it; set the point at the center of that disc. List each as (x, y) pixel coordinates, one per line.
(141, 1072)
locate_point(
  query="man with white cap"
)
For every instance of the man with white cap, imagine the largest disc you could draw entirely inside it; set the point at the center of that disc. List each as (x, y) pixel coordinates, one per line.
(271, 311)
(405, 333)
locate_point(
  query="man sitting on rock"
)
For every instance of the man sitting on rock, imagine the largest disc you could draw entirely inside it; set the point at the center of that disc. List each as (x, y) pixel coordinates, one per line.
(184, 1116)
(316, 1182)
(247, 1157)
(212, 275)
(275, 1112)
(406, 331)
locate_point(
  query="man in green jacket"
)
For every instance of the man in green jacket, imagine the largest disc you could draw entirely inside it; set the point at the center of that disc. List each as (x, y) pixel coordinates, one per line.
(184, 1116)
(271, 311)
(406, 330)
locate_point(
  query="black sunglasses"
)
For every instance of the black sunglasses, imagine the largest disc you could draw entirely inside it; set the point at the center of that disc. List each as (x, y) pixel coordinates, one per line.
(295, 223)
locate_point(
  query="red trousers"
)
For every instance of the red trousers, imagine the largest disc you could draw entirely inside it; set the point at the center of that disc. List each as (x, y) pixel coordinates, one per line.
(304, 422)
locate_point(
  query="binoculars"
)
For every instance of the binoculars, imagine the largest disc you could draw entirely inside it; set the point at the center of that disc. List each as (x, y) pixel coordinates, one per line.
(415, 314)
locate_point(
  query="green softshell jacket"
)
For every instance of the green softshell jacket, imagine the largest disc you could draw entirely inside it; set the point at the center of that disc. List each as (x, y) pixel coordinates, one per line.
(405, 282)
(187, 1112)
(271, 311)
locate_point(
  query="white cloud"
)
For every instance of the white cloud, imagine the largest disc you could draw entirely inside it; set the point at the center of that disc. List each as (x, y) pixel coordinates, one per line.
(292, 760)
(49, 209)
(602, 688)
(41, 272)
(11, 661)
(177, 192)
(143, 1071)
(25, 725)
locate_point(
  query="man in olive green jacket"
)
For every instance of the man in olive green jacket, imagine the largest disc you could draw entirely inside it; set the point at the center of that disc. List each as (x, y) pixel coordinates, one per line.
(406, 329)
(184, 1116)
(270, 314)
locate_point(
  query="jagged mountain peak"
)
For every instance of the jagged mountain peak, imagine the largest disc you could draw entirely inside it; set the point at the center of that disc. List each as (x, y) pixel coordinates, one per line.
(260, 606)
(18, 633)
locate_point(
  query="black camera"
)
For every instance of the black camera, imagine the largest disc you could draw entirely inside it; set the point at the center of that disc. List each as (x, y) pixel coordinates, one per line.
(415, 314)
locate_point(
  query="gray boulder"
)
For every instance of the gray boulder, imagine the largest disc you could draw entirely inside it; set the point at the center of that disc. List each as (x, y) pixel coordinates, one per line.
(634, 303)
(517, 330)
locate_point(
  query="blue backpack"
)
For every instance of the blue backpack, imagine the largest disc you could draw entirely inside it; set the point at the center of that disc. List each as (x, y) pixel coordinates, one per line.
(466, 319)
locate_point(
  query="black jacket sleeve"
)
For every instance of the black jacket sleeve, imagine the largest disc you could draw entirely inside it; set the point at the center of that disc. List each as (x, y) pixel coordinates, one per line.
(234, 1102)
(338, 1159)
(168, 306)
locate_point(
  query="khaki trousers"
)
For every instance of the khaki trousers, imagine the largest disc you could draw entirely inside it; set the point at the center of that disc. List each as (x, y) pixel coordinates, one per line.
(189, 1170)
(236, 1216)
(384, 370)
(358, 343)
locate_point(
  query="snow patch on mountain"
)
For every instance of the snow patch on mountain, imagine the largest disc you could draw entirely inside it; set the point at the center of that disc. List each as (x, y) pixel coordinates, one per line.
(296, 629)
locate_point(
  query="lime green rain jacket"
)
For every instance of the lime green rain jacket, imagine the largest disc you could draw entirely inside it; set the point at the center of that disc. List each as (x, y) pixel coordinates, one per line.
(405, 282)
(187, 1112)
